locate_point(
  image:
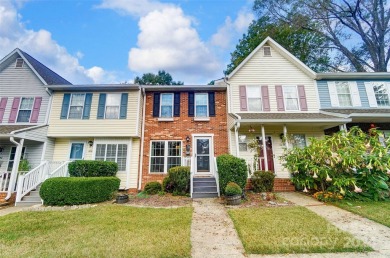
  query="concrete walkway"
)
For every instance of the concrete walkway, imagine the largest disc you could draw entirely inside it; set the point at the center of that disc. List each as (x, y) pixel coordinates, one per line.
(373, 234)
(8, 210)
(212, 231)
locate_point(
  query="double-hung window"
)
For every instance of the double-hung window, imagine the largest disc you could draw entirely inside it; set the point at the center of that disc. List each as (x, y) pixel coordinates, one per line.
(76, 106)
(164, 155)
(242, 143)
(290, 95)
(254, 98)
(381, 91)
(298, 140)
(344, 94)
(166, 105)
(112, 152)
(201, 105)
(112, 106)
(25, 109)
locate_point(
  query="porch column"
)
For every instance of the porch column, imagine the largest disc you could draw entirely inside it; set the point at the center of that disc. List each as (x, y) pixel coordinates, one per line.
(343, 127)
(285, 136)
(236, 127)
(264, 148)
(15, 167)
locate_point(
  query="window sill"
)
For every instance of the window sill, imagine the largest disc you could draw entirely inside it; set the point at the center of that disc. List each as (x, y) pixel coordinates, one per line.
(201, 118)
(165, 119)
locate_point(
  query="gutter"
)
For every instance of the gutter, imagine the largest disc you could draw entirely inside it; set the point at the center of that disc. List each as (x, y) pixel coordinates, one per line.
(15, 167)
(142, 141)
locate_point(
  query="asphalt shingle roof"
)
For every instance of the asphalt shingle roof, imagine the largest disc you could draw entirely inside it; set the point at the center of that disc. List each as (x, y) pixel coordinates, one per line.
(6, 129)
(359, 111)
(285, 116)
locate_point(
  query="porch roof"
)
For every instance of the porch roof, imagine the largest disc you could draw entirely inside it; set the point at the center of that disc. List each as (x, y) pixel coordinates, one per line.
(385, 111)
(7, 129)
(290, 117)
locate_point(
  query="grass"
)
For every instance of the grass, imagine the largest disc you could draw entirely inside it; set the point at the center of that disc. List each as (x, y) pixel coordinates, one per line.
(102, 231)
(290, 230)
(376, 211)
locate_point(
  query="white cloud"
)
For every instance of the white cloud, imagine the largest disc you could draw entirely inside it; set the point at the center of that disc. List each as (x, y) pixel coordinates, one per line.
(42, 46)
(232, 29)
(136, 8)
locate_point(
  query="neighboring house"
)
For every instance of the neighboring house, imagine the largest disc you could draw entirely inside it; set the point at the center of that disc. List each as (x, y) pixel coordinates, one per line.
(183, 125)
(98, 122)
(24, 108)
(273, 97)
(362, 97)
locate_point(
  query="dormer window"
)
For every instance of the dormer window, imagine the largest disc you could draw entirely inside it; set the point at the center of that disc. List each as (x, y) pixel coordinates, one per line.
(267, 51)
(19, 62)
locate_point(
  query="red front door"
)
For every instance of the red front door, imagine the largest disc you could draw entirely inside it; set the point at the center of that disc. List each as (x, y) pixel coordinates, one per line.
(270, 155)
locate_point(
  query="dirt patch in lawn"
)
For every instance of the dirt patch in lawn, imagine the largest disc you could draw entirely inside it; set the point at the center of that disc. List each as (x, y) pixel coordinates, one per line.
(158, 201)
(260, 200)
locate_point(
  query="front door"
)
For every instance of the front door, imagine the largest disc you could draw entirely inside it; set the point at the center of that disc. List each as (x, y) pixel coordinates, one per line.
(203, 151)
(270, 155)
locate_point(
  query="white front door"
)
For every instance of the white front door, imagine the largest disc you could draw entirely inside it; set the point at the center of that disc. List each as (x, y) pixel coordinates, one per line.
(204, 154)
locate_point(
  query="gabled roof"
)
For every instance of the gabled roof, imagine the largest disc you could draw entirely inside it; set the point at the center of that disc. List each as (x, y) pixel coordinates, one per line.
(282, 51)
(45, 74)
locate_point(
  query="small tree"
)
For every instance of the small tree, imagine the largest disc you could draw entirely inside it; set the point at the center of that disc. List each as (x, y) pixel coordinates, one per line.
(354, 164)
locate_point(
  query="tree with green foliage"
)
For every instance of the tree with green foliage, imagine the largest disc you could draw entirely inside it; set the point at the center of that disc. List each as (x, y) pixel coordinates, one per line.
(161, 78)
(357, 30)
(307, 46)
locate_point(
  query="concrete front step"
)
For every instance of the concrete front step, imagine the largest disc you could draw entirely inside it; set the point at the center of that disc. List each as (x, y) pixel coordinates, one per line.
(204, 195)
(205, 189)
(211, 183)
(30, 198)
(27, 203)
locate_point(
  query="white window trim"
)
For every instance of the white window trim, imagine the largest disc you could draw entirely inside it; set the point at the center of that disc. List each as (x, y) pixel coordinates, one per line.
(82, 111)
(172, 104)
(247, 98)
(285, 99)
(304, 136)
(165, 155)
(270, 52)
(373, 102)
(116, 156)
(19, 109)
(105, 105)
(353, 93)
(70, 149)
(16, 63)
(199, 118)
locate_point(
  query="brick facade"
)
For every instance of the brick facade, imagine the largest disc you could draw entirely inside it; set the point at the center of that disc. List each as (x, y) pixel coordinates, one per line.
(182, 127)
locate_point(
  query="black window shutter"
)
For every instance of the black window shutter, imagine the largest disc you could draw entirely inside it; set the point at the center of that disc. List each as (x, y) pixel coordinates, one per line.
(101, 105)
(87, 105)
(211, 103)
(65, 106)
(123, 109)
(156, 104)
(191, 104)
(176, 101)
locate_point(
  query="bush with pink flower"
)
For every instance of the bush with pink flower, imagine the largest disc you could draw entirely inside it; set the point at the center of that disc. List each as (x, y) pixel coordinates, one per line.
(354, 164)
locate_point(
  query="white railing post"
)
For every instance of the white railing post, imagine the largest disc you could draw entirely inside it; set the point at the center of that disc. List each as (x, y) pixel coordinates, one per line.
(19, 188)
(191, 176)
(216, 175)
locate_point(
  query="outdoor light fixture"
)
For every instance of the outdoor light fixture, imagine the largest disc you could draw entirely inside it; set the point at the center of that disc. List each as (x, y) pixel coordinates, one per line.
(90, 143)
(188, 138)
(251, 129)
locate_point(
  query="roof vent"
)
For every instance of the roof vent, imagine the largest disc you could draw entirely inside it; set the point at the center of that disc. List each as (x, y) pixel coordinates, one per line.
(19, 62)
(267, 51)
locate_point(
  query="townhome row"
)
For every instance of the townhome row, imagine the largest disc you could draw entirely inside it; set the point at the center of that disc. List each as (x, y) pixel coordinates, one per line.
(270, 97)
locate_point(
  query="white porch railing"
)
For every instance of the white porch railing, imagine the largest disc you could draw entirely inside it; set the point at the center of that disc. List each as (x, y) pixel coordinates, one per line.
(30, 181)
(4, 181)
(254, 165)
(216, 175)
(192, 170)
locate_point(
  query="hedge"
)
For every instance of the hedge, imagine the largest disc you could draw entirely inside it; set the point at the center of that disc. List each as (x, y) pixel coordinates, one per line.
(231, 169)
(60, 191)
(153, 188)
(178, 180)
(262, 181)
(92, 168)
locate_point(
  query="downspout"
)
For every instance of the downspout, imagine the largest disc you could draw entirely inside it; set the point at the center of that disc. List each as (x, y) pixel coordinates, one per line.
(15, 166)
(142, 140)
(236, 127)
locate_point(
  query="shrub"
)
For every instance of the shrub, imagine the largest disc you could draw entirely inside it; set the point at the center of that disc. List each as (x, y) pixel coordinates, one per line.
(177, 181)
(152, 188)
(92, 168)
(232, 189)
(262, 181)
(231, 169)
(353, 164)
(60, 191)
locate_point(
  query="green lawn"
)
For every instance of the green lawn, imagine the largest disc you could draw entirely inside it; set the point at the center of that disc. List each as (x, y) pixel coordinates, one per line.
(290, 230)
(102, 231)
(376, 211)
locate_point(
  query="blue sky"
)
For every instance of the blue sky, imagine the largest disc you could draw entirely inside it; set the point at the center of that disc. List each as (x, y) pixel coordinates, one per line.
(112, 41)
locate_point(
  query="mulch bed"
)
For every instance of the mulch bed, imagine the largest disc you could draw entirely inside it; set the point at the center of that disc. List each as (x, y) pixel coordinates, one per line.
(260, 200)
(166, 200)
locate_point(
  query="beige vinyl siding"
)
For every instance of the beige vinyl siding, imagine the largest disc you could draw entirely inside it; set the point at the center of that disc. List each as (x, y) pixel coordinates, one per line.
(277, 144)
(94, 127)
(128, 178)
(22, 82)
(271, 70)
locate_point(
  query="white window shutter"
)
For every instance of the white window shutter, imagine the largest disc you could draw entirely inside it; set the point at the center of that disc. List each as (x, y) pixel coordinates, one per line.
(334, 99)
(370, 94)
(355, 96)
